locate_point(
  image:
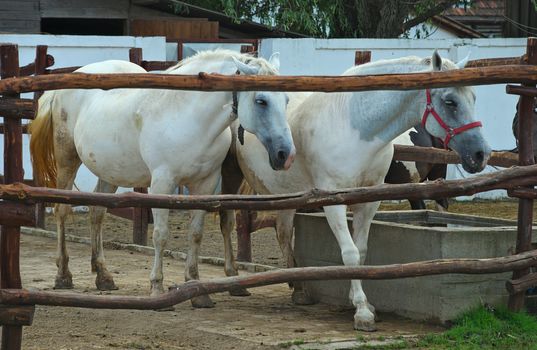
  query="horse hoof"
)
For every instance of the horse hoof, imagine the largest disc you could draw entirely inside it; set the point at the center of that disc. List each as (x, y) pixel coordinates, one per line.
(239, 292)
(203, 301)
(63, 282)
(364, 320)
(365, 326)
(301, 298)
(105, 283)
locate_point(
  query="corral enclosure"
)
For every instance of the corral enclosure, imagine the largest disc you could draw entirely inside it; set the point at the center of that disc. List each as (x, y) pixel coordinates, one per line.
(518, 175)
(298, 57)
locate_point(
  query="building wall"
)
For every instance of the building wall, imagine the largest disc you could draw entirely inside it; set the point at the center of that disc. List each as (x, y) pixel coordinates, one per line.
(19, 16)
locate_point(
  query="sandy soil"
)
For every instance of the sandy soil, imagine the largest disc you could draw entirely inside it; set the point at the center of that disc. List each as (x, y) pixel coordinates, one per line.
(264, 320)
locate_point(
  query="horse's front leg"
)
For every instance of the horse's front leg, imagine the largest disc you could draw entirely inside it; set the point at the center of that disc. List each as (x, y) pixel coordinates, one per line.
(161, 183)
(195, 234)
(364, 319)
(363, 214)
(104, 279)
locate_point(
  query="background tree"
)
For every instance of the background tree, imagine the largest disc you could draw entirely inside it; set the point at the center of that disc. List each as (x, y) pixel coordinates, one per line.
(333, 18)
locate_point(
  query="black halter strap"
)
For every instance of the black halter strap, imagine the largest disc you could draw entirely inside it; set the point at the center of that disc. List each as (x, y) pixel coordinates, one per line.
(234, 115)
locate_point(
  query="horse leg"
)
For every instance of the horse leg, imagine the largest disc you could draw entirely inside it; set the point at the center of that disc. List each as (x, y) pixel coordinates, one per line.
(161, 183)
(195, 235)
(363, 214)
(231, 181)
(65, 180)
(104, 279)
(336, 216)
(227, 222)
(284, 234)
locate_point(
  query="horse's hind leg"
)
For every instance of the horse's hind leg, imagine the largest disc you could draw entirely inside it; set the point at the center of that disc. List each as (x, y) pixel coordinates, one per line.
(65, 180)
(227, 222)
(231, 181)
(195, 234)
(284, 234)
(104, 280)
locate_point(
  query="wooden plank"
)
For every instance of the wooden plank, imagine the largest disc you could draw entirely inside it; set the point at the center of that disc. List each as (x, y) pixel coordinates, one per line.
(84, 9)
(526, 157)
(361, 57)
(218, 82)
(13, 172)
(193, 288)
(502, 179)
(16, 214)
(17, 108)
(522, 284)
(16, 315)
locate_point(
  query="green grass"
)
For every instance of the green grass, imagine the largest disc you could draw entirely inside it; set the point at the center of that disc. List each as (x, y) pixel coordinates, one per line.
(291, 343)
(482, 329)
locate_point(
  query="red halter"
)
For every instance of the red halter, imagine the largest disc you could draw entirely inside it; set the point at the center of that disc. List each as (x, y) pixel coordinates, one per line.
(450, 132)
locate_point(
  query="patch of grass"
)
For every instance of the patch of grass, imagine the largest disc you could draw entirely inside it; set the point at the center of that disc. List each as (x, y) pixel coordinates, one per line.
(291, 343)
(484, 329)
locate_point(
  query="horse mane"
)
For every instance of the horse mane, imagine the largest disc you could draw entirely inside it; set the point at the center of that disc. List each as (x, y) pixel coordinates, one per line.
(265, 68)
(399, 65)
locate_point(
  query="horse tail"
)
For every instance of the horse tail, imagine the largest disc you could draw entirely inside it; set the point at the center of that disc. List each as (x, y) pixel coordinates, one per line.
(42, 143)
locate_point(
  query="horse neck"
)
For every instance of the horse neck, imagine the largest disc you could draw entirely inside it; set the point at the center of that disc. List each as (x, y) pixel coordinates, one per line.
(394, 113)
(217, 114)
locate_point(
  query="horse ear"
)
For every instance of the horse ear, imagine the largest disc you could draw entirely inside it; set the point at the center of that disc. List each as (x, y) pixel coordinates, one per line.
(462, 63)
(437, 61)
(274, 60)
(244, 68)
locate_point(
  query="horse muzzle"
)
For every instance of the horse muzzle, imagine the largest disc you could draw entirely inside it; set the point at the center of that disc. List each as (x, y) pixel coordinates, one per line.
(282, 158)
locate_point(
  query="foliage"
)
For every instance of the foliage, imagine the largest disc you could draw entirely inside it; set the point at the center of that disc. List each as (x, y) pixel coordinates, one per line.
(487, 328)
(332, 18)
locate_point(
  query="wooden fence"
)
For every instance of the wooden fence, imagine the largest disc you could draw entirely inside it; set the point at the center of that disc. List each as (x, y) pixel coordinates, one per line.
(18, 200)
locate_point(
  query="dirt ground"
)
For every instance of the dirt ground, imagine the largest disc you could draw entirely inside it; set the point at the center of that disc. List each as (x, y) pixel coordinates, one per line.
(265, 249)
(265, 320)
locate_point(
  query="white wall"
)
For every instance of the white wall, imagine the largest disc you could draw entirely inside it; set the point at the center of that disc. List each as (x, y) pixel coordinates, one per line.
(331, 57)
(71, 50)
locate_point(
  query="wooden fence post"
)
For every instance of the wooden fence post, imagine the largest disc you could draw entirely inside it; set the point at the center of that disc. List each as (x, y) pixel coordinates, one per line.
(526, 157)
(361, 57)
(13, 172)
(248, 49)
(135, 55)
(244, 220)
(140, 216)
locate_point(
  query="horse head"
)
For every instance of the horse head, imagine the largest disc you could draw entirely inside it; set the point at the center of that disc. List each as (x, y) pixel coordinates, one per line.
(263, 113)
(449, 115)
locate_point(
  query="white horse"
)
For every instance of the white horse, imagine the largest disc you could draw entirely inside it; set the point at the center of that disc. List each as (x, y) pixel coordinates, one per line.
(156, 138)
(345, 140)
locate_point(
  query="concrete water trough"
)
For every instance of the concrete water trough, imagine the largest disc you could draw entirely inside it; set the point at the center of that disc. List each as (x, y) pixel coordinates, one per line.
(408, 236)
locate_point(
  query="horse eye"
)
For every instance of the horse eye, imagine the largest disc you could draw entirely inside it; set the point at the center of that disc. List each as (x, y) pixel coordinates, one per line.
(451, 103)
(261, 102)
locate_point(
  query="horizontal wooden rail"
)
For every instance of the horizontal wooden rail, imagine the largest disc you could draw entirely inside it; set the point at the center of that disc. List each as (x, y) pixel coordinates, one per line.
(22, 108)
(521, 90)
(24, 130)
(29, 69)
(503, 179)
(522, 284)
(217, 82)
(500, 61)
(62, 70)
(441, 156)
(188, 290)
